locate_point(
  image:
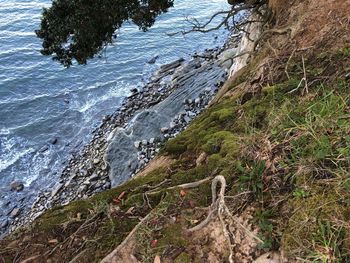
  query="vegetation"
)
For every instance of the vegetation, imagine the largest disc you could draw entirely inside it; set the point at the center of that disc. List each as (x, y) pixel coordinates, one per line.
(283, 147)
(79, 29)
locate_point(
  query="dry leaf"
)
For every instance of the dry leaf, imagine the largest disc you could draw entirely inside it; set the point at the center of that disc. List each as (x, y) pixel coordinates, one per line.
(157, 259)
(182, 193)
(129, 212)
(53, 241)
(154, 243)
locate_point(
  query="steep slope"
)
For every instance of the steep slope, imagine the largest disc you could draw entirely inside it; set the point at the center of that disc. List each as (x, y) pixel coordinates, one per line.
(278, 133)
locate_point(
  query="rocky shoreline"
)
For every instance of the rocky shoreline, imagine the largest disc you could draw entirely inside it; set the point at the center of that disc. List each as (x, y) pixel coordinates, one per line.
(92, 170)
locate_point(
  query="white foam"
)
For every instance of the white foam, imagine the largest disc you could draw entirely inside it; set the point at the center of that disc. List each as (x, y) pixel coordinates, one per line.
(4, 164)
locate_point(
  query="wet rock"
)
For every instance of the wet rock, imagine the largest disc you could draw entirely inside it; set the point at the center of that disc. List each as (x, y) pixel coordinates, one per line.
(153, 60)
(96, 161)
(94, 177)
(137, 144)
(4, 224)
(15, 212)
(16, 186)
(164, 130)
(82, 188)
(43, 149)
(54, 141)
(56, 189)
(187, 119)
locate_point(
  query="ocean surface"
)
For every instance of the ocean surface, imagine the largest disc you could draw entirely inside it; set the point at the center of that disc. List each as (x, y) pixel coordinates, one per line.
(41, 101)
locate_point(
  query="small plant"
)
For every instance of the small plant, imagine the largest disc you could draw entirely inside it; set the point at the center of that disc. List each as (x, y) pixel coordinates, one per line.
(254, 180)
(327, 243)
(300, 193)
(262, 217)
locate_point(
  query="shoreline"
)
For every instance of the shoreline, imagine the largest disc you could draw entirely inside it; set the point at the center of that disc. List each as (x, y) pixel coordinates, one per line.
(88, 173)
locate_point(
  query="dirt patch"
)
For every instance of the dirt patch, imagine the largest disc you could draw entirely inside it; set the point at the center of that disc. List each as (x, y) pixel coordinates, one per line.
(159, 162)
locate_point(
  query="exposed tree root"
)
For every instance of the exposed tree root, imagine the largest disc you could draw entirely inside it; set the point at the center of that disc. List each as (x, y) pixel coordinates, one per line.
(218, 205)
(217, 208)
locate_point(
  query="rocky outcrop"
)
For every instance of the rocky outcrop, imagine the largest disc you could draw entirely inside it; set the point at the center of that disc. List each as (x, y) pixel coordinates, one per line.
(193, 84)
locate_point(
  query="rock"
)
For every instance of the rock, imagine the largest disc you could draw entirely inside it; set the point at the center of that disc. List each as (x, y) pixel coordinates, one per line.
(15, 212)
(54, 141)
(153, 60)
(191, 114)
(144, 142)
(134, 90)
(137, 144)
(93, 177)
(44, 148)
(4, 224)
(56, 189)
(16, 186)
(82, 188)
(87, 182)
(197, 101)
(187, 119)
(164, 130)
(96, 161)
(152, 140)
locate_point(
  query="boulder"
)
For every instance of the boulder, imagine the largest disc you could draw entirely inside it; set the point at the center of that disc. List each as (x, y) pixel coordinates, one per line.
(16, 186)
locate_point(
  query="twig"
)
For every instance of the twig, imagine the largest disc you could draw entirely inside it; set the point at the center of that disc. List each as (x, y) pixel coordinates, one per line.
(146, 200)
(306, 87)
(110, 256)
(184, 186)
(289, 59)
(71, 237)
(151, 187)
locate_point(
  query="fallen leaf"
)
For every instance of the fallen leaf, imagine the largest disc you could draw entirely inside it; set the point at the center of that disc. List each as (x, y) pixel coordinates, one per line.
(116, 201)
(119, 198)
(182, 193)
(157, 259)
(154, 243)
(53, 241)
(130, 210)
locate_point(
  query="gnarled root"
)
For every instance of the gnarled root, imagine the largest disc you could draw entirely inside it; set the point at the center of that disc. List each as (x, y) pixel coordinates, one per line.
(218, 205)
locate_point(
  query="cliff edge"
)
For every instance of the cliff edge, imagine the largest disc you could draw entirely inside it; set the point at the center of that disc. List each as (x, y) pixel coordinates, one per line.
(262, 175)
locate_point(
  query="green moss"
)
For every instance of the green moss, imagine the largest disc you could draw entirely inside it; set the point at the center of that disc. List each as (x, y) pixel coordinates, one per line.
(222, 141)
(321, 205)
(173, 235)
(58, 215)
(183, 258)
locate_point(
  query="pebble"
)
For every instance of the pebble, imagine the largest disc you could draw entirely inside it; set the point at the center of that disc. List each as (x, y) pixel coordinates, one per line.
(54, 141)
(4, 223)
(16, 186)
(164, 129)
(137, 144)
(15, 212)
(44, 148)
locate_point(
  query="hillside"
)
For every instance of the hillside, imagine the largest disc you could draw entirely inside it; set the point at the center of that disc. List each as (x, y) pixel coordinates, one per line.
(275, 142)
